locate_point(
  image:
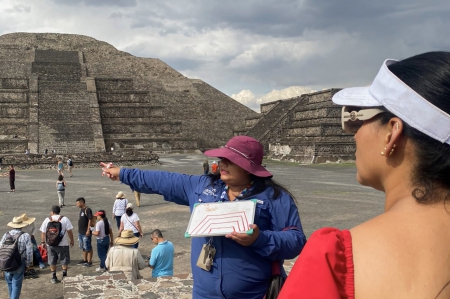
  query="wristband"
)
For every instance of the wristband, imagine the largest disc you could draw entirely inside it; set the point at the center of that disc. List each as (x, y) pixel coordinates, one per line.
(42, 242)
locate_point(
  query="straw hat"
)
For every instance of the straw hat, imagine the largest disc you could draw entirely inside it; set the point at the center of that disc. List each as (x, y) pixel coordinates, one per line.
(127, 238)
(120, 195)
(27, 219)
(17, 223)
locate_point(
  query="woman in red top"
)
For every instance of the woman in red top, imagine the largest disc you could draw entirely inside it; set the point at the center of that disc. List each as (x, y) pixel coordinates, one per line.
(402, 132)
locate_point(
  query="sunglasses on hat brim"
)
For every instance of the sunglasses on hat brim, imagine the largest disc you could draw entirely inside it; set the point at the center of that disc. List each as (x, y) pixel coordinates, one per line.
(352, 118)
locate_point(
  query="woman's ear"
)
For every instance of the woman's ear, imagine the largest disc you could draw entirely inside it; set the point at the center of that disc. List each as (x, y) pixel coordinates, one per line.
(394, 129)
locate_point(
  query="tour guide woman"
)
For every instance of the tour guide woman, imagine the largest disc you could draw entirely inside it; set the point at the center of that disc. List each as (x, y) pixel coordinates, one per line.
(242, 265)
(402, 131)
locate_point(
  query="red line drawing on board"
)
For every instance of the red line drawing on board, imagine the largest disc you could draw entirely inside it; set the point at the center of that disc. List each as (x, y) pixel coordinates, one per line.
(221, 218)
(237, 221)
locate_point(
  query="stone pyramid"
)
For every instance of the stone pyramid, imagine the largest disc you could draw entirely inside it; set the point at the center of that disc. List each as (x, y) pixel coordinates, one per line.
(73, 93)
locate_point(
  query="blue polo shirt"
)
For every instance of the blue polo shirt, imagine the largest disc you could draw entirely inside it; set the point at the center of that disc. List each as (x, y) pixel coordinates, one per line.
(162, 259)
(237, 271)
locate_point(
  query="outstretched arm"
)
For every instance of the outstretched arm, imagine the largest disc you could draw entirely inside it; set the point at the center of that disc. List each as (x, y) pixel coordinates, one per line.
(175, 187)
(110, 171)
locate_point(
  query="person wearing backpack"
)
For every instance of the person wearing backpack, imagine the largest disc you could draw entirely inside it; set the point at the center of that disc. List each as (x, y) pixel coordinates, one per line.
(70, 166)
(86, 223)
(16, 253)
(55, 232)
(61, 190)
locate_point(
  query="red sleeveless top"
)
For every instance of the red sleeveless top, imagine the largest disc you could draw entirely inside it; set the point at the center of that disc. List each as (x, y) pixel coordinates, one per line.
(324, 269)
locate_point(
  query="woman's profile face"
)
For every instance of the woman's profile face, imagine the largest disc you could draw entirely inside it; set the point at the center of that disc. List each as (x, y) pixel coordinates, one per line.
(369, 145)
(232, 174)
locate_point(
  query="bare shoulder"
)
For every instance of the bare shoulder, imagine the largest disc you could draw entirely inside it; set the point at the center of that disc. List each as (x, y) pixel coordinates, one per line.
(400, 249)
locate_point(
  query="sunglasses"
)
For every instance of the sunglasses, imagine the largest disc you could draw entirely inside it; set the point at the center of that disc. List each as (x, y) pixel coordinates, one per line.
(352, 118)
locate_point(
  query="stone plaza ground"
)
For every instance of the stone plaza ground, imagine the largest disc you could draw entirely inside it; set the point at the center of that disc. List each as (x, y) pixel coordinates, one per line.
(326, 194)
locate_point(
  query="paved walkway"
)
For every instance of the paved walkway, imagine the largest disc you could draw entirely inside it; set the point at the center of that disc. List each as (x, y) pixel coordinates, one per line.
(113, 285)
(327, 195)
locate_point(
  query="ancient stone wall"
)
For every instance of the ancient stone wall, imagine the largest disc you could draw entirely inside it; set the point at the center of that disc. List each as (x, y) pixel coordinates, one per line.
(266, 107)
(305, 129)
(272, 121)
(81, 160)
(252, 121)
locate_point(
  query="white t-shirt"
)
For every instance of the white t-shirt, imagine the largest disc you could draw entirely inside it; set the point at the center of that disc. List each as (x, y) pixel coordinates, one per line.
(100, 227)
(129, 222)
(66, 225)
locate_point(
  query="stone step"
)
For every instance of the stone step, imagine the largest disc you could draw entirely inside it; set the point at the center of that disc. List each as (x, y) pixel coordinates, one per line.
(113, 84)
(57, 72)
(56, 56)
(61, 86)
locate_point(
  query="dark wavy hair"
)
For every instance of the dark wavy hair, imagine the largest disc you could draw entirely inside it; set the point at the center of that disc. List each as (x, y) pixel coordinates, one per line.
(260, 185)
(427, 74)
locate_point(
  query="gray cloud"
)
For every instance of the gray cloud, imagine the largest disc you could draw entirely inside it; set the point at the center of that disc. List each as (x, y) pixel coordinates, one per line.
(20, 8)
(121, 3)
(116, 15)
(256, 45)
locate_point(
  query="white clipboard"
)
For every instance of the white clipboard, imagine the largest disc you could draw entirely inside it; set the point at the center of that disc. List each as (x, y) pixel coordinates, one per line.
(221, 218)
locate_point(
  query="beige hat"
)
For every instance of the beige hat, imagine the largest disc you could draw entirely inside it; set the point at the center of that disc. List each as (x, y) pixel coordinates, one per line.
(129, 205)
(127, 238)
(17, 223)
(27, 219)
(120, 195)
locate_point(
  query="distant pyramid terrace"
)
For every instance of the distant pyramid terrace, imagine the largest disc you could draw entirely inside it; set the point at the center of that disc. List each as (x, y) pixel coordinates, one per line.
(75, 94)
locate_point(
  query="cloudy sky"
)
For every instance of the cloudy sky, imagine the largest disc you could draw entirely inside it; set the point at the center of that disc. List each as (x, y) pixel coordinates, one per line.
(252, 50)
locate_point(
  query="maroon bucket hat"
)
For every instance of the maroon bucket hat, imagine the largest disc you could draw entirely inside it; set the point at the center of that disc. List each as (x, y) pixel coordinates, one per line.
(244, 151)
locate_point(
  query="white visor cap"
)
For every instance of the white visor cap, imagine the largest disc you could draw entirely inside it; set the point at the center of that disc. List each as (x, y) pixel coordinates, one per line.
(389, 91)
